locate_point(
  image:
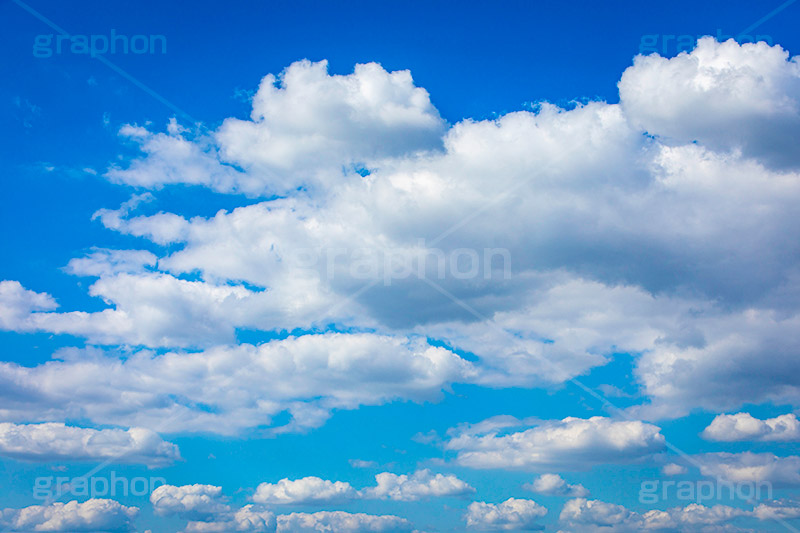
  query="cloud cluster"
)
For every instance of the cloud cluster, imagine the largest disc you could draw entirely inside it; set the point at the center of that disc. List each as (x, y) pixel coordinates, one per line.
(59, 442)
(313, 490)
(90, 516)
(229, 389)
(749, 467)
(569, 443)
(581, 514)
(745, 427)
(661, 226)
(511, 515)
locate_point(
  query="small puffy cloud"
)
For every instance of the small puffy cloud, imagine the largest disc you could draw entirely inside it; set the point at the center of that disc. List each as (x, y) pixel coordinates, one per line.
(90, 516)
(511, 515)
(343, 522)
(193, 502)
(673, 469)
(308, 490)
(749, 467)
(420, 484)
(555, 485)
(59, 442)
(745, 427)
(572, 443)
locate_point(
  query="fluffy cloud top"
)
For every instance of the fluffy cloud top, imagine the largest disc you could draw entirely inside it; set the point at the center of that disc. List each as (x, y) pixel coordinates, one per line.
(308, 490)
(725, 95)
(90, 516)
(744, 427)
(510, 515)
(305, 126)
(570, 443)
(421, 484)
(58, 442)
(193, 502)
(554, 485)
(389, 486)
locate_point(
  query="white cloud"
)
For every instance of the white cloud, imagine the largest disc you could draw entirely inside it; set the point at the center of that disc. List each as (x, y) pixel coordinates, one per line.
(90, 516)
(389, 486)
(16, 304)
(420, 484)
(304, 123)
(341, 521)
(749, 467)
(673, 469)
(511, 515)
(248, 519)
(555, 485)
(581, 514)
(571, 443)
(777, 510)
(725, 95)
(58, 442)
(193, 502)
(679, 252)
(104, 262)
(223, 389)
(745, 427)
(308, 490)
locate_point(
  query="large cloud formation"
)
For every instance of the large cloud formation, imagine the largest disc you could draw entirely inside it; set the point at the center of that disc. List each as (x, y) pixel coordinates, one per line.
(662, 226)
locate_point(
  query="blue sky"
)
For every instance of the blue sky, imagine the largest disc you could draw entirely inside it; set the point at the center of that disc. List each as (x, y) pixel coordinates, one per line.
(221, 267)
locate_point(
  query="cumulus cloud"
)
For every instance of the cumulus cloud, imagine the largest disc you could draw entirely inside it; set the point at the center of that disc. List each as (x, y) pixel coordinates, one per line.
(581, 514)
(420, 484)
(749, 467)
(249, 519)
(745, 427)
(308, 490)
(659, 226)
(228, 389)
(725, 95)
(90, 516)
(342, 521)
(511, 515)
(572, 443)
(304, 127)
(194, 502)
(389, 486)
(672, 469)
(555, 485)
(58, 442)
